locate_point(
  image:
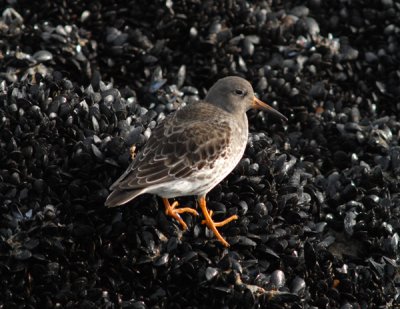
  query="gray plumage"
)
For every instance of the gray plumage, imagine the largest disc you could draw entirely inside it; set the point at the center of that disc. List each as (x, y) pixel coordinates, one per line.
(193, 149)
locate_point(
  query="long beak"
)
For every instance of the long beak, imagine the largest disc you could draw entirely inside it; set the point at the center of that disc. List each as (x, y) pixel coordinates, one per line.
(258, 104)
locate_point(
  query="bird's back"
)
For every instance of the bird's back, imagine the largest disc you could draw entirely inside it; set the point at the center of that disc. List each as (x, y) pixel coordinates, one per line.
(183, 148)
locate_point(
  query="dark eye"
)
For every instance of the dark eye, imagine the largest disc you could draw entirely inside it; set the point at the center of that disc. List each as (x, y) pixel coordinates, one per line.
(240, 92)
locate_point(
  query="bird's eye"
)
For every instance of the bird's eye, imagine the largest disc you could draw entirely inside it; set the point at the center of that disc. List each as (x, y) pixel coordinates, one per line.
(240, 92)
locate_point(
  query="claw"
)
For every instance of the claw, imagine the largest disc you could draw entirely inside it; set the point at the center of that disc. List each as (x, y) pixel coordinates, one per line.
(210, 222)
(172, 211)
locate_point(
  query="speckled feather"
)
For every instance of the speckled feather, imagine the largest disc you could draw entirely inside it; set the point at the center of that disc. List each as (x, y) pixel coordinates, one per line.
(194, 149)
(196, 138)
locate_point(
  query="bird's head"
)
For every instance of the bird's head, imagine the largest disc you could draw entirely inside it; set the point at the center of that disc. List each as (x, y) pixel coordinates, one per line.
(236, 95)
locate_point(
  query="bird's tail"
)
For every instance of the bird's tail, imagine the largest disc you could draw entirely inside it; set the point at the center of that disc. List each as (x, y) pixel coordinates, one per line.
(120, 197)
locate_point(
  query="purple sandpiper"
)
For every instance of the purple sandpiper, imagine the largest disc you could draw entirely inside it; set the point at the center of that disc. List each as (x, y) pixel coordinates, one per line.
(193, 150)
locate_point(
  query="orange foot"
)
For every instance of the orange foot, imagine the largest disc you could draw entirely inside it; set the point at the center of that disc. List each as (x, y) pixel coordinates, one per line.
(210, 222)
(172, 211)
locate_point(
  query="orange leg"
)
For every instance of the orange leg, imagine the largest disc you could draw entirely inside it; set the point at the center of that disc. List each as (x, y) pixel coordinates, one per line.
(211, 224)
(172, 211)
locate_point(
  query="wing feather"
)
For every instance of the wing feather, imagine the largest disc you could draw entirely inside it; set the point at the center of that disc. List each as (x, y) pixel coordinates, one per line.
(178, 147)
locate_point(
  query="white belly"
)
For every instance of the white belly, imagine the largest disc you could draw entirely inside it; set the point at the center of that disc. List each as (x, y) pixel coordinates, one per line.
(201, 182)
